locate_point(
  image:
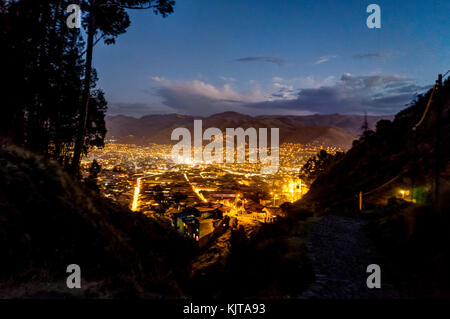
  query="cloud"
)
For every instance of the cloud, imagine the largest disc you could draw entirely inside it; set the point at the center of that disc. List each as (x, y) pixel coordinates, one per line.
(376, 94)
(268, 59)
(227, 79)
(138, 109)
(200, 98)
(373, 55)
(288, 88)
(206, 90)
(324, 59)
(306, 82)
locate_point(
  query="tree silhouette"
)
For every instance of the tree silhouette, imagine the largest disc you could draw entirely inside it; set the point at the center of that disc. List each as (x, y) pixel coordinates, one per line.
(52, 104)
(109, 19)
(91, 180)
(317, 165)
(44, 68)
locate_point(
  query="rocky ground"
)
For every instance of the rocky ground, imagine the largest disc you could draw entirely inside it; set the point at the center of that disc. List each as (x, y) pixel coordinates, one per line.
(340, 253)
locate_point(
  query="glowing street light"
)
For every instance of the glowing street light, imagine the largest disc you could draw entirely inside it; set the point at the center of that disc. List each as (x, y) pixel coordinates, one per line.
(137, 190)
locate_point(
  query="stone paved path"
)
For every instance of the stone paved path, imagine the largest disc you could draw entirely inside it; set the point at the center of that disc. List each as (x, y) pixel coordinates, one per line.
(340, 253)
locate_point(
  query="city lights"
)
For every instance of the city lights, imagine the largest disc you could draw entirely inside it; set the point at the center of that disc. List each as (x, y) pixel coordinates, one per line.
(146, 179)
(137, 190)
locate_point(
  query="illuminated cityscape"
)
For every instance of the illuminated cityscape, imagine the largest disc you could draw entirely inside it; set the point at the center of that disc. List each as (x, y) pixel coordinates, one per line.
(225, 158)
(193, 196)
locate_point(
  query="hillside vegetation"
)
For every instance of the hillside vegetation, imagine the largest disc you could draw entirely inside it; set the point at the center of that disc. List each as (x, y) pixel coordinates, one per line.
(48, 221)
(394, 168)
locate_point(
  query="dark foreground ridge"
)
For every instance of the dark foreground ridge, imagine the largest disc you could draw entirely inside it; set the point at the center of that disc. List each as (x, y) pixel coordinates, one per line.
(48, 221)
(397, 179)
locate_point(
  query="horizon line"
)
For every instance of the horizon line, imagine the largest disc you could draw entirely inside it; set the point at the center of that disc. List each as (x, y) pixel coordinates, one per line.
(253, 116)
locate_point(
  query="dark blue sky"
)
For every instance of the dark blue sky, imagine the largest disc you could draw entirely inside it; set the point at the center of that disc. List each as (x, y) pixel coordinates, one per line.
(275, 57)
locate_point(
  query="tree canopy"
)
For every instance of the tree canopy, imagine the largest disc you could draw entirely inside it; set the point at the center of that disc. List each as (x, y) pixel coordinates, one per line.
(51, 102)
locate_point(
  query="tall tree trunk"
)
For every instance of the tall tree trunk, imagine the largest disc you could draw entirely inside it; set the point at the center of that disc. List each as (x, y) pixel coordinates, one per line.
(86, 94)
(60, 26)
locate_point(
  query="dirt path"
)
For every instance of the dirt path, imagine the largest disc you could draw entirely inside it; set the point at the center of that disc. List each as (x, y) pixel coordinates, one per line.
(340, 253)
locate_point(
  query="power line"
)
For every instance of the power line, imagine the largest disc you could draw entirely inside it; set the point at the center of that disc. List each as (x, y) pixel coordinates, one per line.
(438, 140)
(440, 77)
(426, 109)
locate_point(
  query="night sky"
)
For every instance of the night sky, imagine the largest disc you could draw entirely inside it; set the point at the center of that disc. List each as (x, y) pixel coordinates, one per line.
(275, 57)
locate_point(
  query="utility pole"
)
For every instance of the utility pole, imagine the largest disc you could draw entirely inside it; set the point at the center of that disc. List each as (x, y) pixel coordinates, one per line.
(438, 140)
(365, 126)
(360, 201)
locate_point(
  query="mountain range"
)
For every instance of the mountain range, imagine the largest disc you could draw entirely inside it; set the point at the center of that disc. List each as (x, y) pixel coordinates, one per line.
(328, 130)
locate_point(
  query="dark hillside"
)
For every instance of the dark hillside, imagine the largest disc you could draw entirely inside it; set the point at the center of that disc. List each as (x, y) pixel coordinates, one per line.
(330, 130)
(393, 151)
(394, 168)
(48, 221)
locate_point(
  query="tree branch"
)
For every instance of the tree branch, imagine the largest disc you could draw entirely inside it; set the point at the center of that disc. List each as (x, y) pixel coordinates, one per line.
(124, 6)
(96, 41)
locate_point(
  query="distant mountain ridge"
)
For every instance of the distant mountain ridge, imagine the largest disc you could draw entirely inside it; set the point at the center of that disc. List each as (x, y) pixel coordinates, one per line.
(329, 130)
